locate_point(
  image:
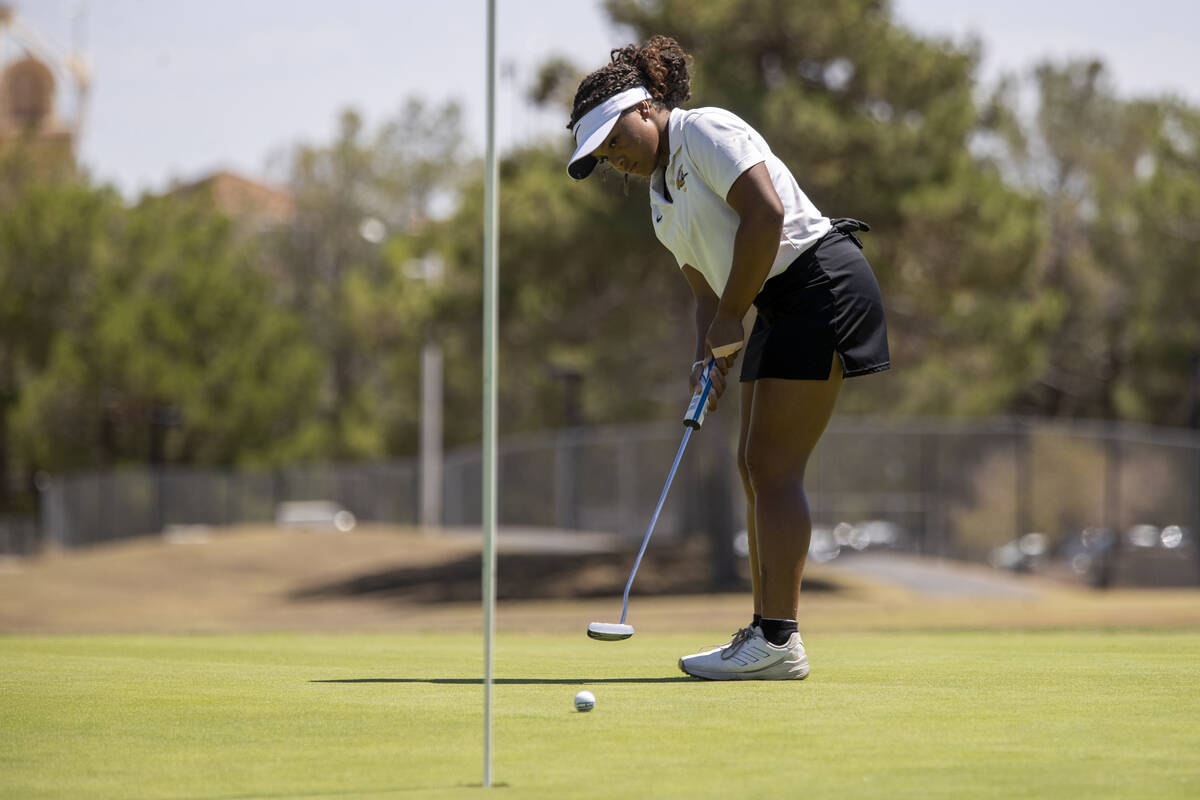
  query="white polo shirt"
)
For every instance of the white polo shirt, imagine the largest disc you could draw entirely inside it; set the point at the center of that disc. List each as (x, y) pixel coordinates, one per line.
(710, 148)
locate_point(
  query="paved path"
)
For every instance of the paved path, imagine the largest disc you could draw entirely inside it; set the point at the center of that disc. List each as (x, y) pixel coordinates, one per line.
(518, 539)
(935, 576)
(929, 576)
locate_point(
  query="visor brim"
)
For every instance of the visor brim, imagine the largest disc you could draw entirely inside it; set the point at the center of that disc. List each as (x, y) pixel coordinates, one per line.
(582, 161)
(582, 167)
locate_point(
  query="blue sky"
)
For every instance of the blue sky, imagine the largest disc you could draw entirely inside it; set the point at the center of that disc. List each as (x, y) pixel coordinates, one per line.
(183, 88)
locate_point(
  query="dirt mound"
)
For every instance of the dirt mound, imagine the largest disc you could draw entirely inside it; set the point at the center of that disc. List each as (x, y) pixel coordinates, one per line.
(400, 579)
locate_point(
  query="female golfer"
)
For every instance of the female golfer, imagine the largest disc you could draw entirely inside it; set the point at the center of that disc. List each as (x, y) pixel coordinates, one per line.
(744, 233)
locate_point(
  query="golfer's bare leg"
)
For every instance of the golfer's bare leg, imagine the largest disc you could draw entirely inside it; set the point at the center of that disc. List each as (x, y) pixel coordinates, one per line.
(787, 418)
(747, 403)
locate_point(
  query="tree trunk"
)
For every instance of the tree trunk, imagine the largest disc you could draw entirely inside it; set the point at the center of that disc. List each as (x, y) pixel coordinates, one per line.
(718, 488)
(4, 404)
(7, 396)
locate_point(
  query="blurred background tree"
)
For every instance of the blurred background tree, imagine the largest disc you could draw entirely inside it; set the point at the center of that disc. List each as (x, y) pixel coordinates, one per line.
(1161, 381)
(169, 325)
(1116, 186)
(344, 264)
(52, 240)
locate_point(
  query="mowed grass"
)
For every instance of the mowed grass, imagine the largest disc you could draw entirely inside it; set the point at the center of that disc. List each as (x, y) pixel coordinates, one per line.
(1057, 713)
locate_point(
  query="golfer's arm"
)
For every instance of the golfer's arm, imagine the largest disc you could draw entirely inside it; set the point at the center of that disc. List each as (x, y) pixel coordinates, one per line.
(706, 306)
(756, 243)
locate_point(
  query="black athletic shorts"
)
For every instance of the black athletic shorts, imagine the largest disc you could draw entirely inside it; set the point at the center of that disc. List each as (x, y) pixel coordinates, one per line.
(827, 300)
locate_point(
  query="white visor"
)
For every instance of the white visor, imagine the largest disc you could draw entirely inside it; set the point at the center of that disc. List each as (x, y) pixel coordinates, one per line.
(594, 126)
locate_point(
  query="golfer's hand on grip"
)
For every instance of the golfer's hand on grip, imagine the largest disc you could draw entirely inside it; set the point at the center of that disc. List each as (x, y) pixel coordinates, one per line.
(722, 334)
(725, 337)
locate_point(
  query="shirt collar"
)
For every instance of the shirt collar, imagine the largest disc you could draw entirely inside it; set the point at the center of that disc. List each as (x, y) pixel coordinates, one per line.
(675, 131)
(675, 143)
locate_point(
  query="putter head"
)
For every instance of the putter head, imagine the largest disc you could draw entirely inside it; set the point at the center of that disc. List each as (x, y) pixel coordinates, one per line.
(609, 631)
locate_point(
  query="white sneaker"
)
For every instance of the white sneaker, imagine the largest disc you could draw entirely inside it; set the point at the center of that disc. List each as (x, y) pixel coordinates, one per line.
(750, 657)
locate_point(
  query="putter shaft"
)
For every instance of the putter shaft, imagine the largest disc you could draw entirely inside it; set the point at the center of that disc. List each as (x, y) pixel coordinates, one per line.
(646, 539)
(692, 420)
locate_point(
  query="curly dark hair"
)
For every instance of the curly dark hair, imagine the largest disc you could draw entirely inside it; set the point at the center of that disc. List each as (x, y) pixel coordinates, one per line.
(660, 65)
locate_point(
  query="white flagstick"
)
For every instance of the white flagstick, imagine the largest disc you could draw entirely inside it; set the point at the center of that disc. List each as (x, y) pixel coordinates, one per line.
(490, 311)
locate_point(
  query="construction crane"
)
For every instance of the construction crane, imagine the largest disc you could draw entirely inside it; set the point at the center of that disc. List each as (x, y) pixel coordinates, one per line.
(41, 58)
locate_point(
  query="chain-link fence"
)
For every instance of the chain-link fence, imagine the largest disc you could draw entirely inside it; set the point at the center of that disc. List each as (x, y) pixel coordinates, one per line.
(89, 508)
(1005, 490)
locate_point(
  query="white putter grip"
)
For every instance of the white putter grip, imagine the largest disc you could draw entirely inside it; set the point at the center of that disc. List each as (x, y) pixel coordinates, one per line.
(696, 410)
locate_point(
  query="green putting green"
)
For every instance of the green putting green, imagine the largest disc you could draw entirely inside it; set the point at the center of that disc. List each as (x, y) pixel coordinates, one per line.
(1052, 713)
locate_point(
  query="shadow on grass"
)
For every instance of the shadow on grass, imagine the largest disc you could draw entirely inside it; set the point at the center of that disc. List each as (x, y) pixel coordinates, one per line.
(508, 681)
(349, 793)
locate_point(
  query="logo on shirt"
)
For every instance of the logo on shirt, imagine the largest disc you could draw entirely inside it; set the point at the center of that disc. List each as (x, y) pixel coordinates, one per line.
(657, 218)
(680, 179)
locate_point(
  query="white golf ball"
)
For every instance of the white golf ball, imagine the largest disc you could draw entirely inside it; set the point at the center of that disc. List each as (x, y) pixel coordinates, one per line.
(585, 701)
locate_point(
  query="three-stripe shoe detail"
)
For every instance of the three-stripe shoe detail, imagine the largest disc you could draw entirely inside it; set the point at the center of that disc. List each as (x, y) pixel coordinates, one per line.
(744, 657)
(741, 651)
